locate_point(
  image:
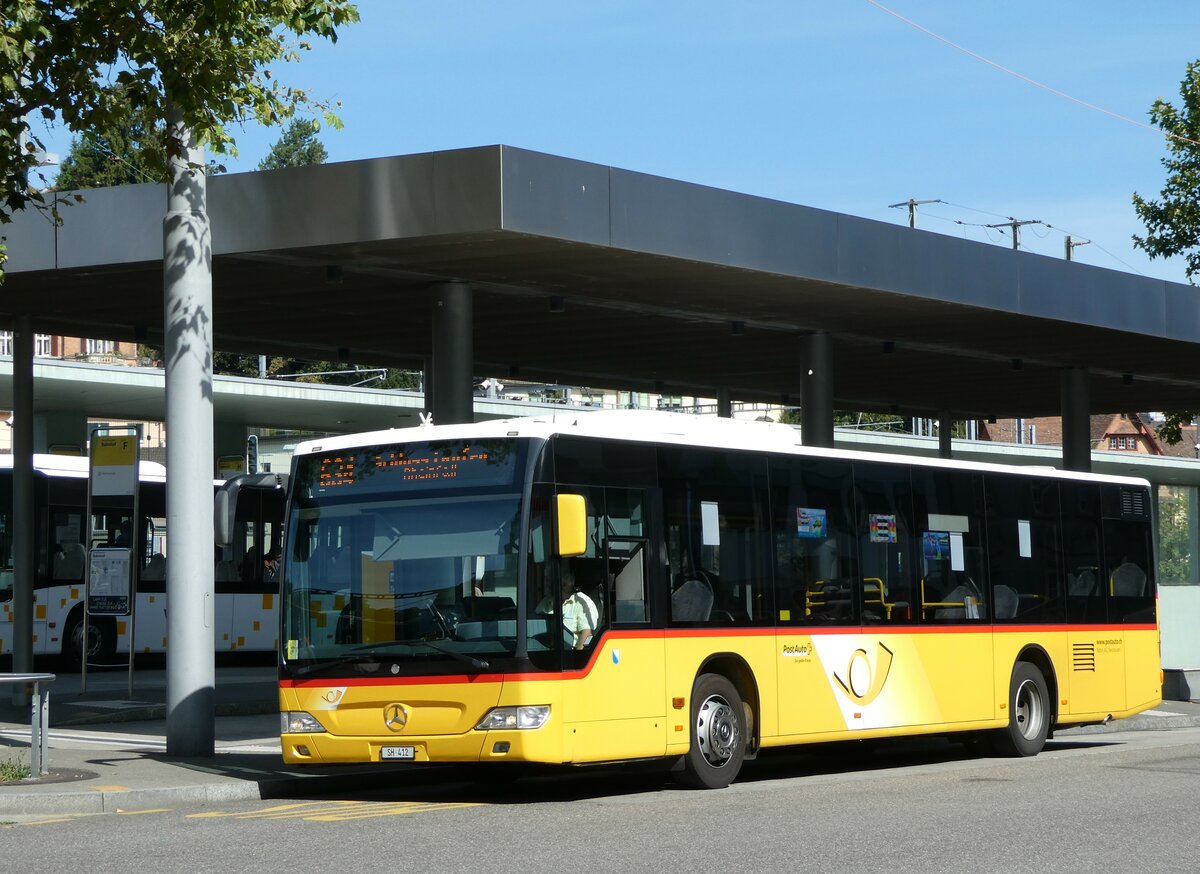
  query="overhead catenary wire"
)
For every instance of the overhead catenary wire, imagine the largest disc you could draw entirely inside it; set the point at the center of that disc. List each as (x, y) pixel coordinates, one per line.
(1030, 81)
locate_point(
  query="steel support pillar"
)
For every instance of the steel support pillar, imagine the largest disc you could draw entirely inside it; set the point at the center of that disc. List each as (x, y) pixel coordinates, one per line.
(453, 354)
(187, 319)
(724, 403)
(1076, 419)
(945, 434)
(816, 389)
(23, 515)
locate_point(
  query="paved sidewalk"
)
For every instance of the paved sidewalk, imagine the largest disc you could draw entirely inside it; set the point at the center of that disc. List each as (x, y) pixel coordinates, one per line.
(114, 766)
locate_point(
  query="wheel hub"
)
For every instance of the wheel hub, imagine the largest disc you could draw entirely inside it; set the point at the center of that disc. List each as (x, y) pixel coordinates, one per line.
(717, 730)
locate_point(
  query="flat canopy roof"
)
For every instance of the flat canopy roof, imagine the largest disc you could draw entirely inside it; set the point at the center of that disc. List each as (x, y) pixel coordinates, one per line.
(337, 260)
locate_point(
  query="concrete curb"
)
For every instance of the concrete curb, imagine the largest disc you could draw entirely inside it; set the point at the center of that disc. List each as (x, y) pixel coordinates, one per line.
(38, 803)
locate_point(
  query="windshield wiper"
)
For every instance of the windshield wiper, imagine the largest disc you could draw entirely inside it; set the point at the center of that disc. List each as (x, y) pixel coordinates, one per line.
(477, 664)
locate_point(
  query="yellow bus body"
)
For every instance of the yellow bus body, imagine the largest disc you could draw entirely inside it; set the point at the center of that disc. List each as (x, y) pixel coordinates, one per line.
(806, 685)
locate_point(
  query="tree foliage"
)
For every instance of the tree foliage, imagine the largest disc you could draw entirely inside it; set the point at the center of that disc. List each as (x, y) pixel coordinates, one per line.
(298, 147)
(125, 153)
(1173, 221)
(89, 64)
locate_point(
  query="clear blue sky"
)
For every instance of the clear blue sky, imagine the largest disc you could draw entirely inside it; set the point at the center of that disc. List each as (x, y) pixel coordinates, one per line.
(828, 103)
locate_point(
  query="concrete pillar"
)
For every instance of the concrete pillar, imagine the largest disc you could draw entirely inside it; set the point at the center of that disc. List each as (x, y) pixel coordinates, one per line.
(724, 403)
(945, 433)
(816, 389)
(453, 348)
(188, 353)
(59, 430)
(23, 515)
(1076, 419)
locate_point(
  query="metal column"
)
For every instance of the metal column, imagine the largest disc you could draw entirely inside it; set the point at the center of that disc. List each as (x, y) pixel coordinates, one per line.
(945, 434)
(453, 354)
(22, 512)
(724, 403)
(1076, 419)
(816, 389)
(187, 319)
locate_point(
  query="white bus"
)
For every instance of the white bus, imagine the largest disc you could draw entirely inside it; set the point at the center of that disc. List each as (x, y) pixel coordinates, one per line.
(246, 588)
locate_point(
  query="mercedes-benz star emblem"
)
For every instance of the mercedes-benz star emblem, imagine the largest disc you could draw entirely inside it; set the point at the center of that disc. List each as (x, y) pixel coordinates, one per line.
(395, 717)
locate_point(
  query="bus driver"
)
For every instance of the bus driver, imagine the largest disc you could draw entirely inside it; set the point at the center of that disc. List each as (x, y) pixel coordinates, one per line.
(580, 615)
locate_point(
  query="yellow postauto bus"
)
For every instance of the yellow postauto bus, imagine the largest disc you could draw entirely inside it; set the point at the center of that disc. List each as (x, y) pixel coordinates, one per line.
(601, 587)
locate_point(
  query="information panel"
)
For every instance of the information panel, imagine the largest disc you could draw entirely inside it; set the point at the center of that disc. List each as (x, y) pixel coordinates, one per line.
(108, 581)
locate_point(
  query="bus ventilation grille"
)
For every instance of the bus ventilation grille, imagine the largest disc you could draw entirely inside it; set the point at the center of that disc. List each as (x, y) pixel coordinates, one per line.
(1083, 657)
(1133, 504)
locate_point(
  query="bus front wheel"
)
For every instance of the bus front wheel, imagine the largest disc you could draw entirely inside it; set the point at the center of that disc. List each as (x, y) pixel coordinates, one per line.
(1028, 713)
(718, 742)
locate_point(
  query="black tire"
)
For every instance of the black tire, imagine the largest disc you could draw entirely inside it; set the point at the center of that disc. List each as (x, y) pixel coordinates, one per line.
(718, 734)
(1028, 714)
(102, 641)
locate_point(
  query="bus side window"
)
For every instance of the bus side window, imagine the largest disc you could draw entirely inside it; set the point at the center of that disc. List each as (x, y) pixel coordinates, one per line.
(885, 536)
(717, 534)
(816, 567)
(1128, 578)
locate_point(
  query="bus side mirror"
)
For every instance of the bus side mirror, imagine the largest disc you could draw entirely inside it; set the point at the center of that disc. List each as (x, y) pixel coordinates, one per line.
(572, 525)
(223, 518)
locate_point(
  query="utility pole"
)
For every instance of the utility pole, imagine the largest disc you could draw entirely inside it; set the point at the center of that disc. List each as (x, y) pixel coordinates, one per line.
(1069, 245)
(1015, 225)
(912, 208)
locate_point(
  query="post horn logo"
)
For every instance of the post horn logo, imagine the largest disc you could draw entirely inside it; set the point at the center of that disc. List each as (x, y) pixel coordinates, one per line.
(862, 684)
(395, 717)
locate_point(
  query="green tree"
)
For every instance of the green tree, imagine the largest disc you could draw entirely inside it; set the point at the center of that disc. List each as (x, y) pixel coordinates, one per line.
(121, 155)
(298, 147)
(89, 64)
(1173, 222)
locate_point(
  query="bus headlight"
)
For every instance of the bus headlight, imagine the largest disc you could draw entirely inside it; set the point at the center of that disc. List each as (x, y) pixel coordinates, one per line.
(530, 716)
(298, 722)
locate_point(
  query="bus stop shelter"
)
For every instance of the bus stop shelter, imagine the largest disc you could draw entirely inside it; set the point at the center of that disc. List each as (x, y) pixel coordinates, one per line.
(503, 261)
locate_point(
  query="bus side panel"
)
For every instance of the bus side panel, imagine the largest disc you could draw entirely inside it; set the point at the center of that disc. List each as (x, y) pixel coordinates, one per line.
(868, 682)
(685, 660)
(618, 708)
(1143, 670)
(1094, 672)
(1010, 642)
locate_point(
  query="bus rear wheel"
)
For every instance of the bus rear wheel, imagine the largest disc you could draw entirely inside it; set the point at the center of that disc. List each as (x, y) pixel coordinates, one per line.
(101, 644)
(718, 741)
(1028, 714)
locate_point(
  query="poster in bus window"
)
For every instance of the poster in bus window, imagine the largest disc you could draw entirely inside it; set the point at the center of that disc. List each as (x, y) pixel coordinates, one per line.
(883, 527)
(935, 545)
(810, 522)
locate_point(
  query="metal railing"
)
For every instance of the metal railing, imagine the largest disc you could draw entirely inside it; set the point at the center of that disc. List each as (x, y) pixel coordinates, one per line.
(39, 719)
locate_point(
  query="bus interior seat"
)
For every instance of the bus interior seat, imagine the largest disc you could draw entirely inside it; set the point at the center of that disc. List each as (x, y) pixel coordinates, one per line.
(957, 596)
(69, 562)
(692, 602)
(1082, 584)
(1128, 581)
(1006, 601)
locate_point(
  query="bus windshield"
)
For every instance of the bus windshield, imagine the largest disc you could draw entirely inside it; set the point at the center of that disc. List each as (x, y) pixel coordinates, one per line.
(408, 554)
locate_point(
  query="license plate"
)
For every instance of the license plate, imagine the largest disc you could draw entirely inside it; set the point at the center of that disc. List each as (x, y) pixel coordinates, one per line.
(397, 752)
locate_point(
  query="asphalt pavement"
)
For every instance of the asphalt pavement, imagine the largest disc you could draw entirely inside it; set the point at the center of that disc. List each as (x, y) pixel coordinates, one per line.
(107, 748)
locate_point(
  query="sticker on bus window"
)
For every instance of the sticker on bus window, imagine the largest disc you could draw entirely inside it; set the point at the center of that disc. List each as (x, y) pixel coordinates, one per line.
(810, 522)
(710, 523)
(293, 649)
(883, 527)
(935, 545)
